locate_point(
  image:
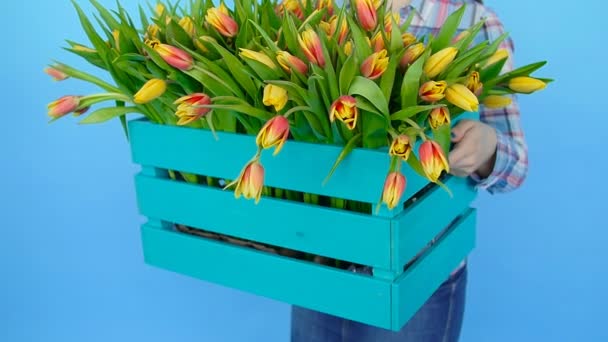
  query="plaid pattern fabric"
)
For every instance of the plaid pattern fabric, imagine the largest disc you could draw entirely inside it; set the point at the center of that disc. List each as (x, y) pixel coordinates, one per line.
(511, 165)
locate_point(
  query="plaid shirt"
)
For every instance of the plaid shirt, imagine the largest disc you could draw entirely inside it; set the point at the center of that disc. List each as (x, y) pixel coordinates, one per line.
(511, 165)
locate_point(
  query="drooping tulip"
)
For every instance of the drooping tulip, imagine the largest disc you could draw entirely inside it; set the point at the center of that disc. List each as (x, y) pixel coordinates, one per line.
(433, 91)
(526, 85)
(345, 109)
(151, 90)
(289, 62)
(174, 56)
(460, 96)
(439, 116)
(259, 57)
(222, 22)
(394, 185)
(275, 96)
(188, 110)
(56, 74)
(250, 182)
(401, 147)
(433, 160)
(497, 101)
(366, 12)
(375, 65)
(311, 46)
(63, 106)
(274, 134)
(439, 61)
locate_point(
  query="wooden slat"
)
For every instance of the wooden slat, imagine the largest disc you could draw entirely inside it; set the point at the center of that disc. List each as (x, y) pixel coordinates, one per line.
(317, 287)
(422, 279)
(424, 220)
(339, 234)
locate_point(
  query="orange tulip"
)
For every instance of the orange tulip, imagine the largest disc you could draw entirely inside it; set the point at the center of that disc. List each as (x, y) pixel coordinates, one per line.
(433, 160)
(394, 185)
(401, 147)
(312, 48)
(439, 117)
(220, 19)
(345, 109)
(288, 62)
(433, 91)
(63, 106)
(188, 110)
(250, 182)
(55, 74)
(174, 56)
(274, 133)
(375, 65)
(366, 12)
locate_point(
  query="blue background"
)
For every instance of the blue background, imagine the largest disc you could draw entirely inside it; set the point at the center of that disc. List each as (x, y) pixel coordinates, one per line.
(70, 255)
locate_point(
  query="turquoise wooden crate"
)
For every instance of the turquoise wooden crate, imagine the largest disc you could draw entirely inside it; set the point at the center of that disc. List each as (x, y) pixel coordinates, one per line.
(411, 249)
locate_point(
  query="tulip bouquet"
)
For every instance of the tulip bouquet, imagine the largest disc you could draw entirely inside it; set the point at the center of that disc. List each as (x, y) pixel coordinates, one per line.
(294, 69)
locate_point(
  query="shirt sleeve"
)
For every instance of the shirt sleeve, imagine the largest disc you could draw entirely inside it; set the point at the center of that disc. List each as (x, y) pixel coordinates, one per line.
(511, 166)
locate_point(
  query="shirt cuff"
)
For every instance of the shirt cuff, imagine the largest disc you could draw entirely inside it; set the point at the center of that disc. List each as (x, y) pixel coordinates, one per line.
(500, 165)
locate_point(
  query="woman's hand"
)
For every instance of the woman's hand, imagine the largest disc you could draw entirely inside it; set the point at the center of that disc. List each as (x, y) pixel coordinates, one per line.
(474, 149)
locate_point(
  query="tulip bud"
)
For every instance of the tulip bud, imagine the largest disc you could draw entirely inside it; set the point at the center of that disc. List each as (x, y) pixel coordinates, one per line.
(328, 4)
(150, 91)
(345, 109)
(258, 57)
(292, 6)
(175, 57)
(411, 54)
(439, 61)
(188, 25)
(116, 36)
(274, 133)
(375, 65)
(496, 101)
(63, 106)
(160, 9)
(275, 96)
(343, 30)
(526, 85)
(432, 91)
(366, 12)
(152, 31)
(499, 55)
(401, 147)
(394, 185)
(220, 19)
(389, 17)
(188, 110)
(288, 62)
(250, 182)
(377, 42)
(460, 96)
(439, 117)
(433, 160)
(56, 74)
(474, 84)
(311, 46)
(408, 39)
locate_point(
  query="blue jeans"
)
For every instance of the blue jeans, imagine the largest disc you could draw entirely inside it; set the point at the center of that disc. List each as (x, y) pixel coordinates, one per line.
(438, 320)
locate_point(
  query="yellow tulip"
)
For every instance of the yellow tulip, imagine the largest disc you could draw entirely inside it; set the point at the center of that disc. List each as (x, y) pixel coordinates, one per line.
(411, 54)
(188, 25)
(408, 39)
(150, 91)
(275, 96)
(259, 57)
(497, 101)
(401, 147)
(460, 96)
(499, 55)
(439, 61)
(526, 85)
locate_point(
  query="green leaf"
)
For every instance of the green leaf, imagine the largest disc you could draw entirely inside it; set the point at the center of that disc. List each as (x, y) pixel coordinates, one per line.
(522, 71)
(348, 148)
(408, 112)
(105, 114)
(463, 62)
(411, 82)
(370, 90)
(448, 29)
(415, 165)
(442, 136)
(362, 49)
(290, 33)
(243, 108)
(235, 66)
(364, 104)
(463, 44)
(269, 42)
(347, 74)
(396, 41)
(387, 80)
(81, 75)
(492, 71)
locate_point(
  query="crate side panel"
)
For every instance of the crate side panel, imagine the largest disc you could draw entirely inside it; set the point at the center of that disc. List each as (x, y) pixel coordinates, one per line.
(313, 286)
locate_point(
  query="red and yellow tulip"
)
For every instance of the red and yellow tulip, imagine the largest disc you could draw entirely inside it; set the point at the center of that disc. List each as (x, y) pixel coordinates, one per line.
(401, 147)
(63, 106)
(375, 65)
(394, 185)
(412, 53)
(259, 57)
(222, 22)
(474, 83)
(188, 110)
(55, 74)
(250, 182)
(433, 91)
(174, 56)
(312, 48)
(366, 12)
(289, 62)
(345, 109)
(274, 134)
(433, 160)
(439, 117)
